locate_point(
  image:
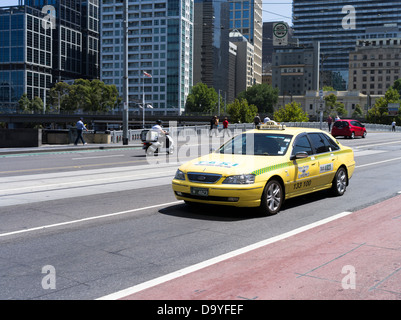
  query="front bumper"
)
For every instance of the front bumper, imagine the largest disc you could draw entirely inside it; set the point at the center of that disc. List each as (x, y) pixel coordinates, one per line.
(220, 194)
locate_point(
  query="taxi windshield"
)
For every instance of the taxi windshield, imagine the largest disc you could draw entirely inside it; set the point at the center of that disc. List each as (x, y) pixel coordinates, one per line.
(258, 144)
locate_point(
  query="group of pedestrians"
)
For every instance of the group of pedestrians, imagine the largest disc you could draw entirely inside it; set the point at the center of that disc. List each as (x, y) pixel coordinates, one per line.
(257, 120)
(214, 124)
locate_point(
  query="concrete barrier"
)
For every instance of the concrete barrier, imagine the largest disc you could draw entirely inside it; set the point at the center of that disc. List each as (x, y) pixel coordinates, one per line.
(16, 138)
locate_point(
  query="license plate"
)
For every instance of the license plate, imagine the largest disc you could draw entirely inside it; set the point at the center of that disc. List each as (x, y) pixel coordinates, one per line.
(203, 192)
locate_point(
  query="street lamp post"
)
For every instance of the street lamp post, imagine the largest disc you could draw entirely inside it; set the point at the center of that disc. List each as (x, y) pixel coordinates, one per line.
(125, 77)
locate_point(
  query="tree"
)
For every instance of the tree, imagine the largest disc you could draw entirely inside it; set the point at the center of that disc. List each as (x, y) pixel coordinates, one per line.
(85, 95)
(28, 106)
(263, 96)
(379, 112)
(24, 104)
(333, 107)
(397, 86)
(358, 112)
(292, 112)
(241, 111)
(59, 96)
(37, 105)
(202, 99)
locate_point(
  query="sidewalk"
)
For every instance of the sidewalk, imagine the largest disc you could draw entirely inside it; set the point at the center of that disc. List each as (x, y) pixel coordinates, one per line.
(356, 257)
(68, 147)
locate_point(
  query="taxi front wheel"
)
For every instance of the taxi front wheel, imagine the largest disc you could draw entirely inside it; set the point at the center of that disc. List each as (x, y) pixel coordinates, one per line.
(272, 198)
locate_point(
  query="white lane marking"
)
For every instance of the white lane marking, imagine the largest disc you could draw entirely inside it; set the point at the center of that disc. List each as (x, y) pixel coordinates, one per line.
(82, 182)
(207, 263)
(88, 219)
(378, 162)
(377, 144)
(98, 157)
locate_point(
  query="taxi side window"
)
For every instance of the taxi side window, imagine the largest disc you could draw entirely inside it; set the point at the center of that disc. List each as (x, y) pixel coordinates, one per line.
(320, 144)
(333, 146)
(302, 144)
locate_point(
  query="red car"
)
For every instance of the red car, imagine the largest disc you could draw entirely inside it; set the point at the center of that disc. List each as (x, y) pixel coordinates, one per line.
(348, 128)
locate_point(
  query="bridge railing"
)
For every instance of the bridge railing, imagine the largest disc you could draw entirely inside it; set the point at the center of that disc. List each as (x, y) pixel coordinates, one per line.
(135, 135)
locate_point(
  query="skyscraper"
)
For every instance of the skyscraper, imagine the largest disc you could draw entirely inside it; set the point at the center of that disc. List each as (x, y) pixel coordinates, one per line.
(159, 43)
(338, 25)
(211, 44)
(34, 54)
(246, 17)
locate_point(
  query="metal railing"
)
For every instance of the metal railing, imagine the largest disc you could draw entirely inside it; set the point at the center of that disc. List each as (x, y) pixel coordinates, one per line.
(135, 135)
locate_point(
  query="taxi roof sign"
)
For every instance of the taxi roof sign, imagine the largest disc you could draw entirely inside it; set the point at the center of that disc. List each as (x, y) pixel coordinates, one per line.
(271, 125)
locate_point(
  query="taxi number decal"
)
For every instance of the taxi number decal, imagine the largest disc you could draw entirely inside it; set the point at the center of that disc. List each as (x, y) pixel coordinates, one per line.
(326, 167)
(303, 184)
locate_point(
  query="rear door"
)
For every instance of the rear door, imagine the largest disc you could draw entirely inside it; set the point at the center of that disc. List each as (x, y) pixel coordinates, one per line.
(303, 172)
(326, 157)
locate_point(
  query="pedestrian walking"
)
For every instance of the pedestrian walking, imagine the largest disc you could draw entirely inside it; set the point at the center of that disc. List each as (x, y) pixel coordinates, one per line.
(225, 127)
(393, 126)
(329, 122)
(214, 123)
(80, 127)
(256, 120)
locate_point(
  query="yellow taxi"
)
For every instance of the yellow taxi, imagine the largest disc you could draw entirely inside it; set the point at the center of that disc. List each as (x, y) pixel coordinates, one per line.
(263, 167)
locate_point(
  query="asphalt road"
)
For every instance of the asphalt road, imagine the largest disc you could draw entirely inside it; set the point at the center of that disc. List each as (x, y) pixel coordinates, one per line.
(83, 224)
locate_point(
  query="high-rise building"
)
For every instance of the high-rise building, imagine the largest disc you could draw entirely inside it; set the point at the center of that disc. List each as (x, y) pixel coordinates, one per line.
(246, 18)
(295, 70)
(160, 36)
(34, 54)
(338, 25)
(375, 64)
(211, 45)
(244, 62)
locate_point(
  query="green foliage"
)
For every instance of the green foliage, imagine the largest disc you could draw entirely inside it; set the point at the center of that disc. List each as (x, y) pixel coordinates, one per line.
(358, 112)
(85, 95)
(263, 96)
(27, 106)
(202, 99)
(379, 112)
(292, 112)
(240, 111)
(333, 107)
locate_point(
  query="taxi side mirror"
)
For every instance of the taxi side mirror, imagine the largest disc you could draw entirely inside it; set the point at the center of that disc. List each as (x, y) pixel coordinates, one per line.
(300, 155)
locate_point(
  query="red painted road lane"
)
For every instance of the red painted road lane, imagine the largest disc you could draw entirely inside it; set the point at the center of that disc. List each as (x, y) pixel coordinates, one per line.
(314, 264)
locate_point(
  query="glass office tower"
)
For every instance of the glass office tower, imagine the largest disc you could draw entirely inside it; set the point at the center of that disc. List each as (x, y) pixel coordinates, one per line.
(159, 43)
(33, 56)
(211, 44)
(337, 24)
(246, 17)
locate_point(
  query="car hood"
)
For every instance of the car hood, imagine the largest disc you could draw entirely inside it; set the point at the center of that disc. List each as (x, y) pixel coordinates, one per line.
(225, 164)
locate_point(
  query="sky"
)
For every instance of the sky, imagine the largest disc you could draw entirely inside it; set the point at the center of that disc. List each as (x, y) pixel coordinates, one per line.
(273, 10)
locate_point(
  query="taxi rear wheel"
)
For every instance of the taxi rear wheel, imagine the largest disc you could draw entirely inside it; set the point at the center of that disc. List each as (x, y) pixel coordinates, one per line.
(272, 198)
(340, 182)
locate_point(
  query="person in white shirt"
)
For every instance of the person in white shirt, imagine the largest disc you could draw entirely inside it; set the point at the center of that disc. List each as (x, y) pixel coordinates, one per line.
(162, 133)
(266, 119)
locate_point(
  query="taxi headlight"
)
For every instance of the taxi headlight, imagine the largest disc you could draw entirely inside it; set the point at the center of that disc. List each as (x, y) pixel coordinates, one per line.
(240, 179)
(179, 175)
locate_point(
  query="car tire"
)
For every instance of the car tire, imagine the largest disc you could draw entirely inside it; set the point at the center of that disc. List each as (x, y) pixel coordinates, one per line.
(352, 135)
(272, 198)
(364, 135)
(340, 181)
